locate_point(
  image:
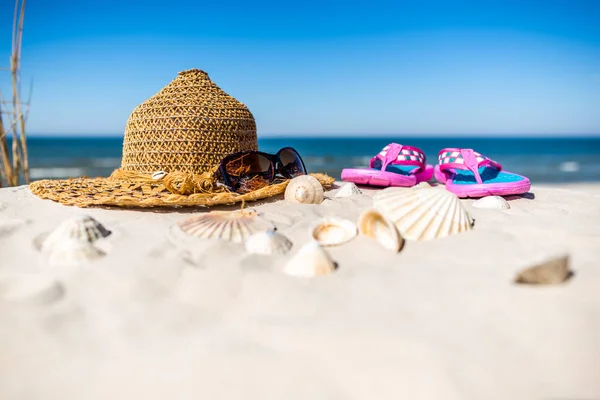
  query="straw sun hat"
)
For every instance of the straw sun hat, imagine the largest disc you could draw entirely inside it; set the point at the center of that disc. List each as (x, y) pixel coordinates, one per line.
(184, 130)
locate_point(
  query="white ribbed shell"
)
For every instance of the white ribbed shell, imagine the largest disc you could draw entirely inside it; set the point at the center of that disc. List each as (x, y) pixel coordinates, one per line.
(268, 242)
(82, 229)
(234, 226)
(423, 213)
(304, 189)
(310, 261)
(492, 202)
(71, 252)
(375, 225)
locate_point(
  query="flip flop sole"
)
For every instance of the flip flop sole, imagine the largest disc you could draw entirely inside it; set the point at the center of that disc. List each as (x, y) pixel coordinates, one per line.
(484, 189)
(491, 189)
(372, 177)
(377, 178)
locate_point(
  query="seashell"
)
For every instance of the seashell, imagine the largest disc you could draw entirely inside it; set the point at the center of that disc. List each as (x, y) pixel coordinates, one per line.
(423, 214)
(304, 189)
(30, 289)
(81, 228)
(158, 175)
(347, 189)
(375, 225)
(234, 226)
(10, 225)
(422, 185)
(268, 242)
(493, 202)
(72, 252)
(333, 231)
(310, 261)
(550, 272)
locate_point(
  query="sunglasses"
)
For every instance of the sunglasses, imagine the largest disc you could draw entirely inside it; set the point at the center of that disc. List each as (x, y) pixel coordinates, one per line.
(246, 171)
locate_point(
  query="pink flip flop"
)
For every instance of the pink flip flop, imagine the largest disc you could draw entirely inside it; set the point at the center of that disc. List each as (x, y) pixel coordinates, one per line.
(395, 165)
(467, 173)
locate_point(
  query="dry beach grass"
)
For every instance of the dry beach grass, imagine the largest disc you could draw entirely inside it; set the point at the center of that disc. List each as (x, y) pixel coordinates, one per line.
(13, 113)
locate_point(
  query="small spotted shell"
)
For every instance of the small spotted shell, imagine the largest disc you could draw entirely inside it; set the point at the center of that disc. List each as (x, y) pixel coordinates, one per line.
(304, 189)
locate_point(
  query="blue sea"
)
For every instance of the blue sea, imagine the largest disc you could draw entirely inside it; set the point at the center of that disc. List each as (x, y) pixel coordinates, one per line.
(543, 160)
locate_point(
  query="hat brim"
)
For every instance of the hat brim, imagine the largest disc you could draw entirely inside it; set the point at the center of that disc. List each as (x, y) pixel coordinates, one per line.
(89, 192)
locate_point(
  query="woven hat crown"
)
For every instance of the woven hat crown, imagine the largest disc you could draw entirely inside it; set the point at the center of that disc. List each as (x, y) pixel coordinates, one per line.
(188, 126)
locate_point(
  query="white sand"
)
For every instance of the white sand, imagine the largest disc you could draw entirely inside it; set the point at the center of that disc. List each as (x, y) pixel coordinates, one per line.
(440, 320)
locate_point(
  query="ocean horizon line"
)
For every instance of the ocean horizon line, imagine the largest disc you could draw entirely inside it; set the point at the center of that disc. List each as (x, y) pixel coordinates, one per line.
(510, 136)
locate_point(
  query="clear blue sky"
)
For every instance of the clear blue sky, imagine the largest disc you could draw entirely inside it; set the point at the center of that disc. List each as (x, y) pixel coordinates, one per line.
(320, 67)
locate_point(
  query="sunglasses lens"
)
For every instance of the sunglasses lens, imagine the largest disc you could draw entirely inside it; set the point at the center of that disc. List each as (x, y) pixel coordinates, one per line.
(291, 163)
(249, 171)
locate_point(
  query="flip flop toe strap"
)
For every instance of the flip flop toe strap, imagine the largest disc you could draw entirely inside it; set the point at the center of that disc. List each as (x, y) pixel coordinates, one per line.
(465, 159)
(397, 154)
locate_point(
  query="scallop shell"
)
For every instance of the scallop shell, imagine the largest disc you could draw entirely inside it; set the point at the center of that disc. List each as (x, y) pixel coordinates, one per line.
(493, 202)
(82, 228)
(304, 189)
(158, 175)
(375, 225)
(333, 231)
(234, 226)
(346, 190)
(423, 214)
(310, 261)
(72, 252)
(268, 242)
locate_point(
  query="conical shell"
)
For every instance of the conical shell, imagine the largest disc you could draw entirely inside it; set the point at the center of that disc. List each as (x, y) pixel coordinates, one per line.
(423, 214)
(493, 202)
(268, 242)
(346, 190)
(375, 225)
(72, 252)
(234, 226)
(551, 272)
(82, 228)
(310, 261)
(304, 189)
(333, 231)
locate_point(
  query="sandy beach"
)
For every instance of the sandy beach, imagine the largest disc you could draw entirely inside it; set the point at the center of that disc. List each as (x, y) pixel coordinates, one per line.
(441, 319)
